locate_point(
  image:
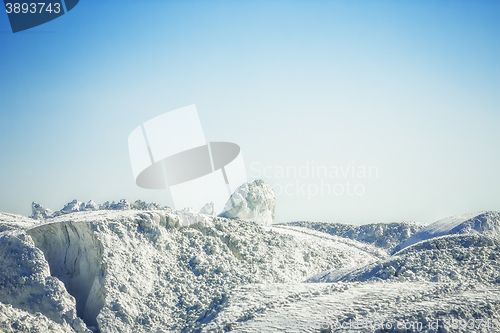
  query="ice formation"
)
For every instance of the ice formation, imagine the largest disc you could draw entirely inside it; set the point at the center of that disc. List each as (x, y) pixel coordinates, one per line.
(208, 209)
(39, 212)
(253, 201)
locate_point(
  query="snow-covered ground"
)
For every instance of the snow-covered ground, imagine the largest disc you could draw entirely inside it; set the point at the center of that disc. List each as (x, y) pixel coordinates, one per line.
(144, 268)
(487, 223)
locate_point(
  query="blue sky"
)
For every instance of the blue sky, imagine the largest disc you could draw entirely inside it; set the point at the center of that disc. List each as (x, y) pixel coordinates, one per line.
(410, 87)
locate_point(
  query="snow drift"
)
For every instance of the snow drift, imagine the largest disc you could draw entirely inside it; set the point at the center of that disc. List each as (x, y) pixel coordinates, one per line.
(119, 268)
(386, 235)
(161, 270)
(487, 223)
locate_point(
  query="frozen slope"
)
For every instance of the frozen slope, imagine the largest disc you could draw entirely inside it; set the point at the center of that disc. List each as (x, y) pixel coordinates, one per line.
(133, 270)
(482, 223)
(142, 271)
(460, 249)
(385, 235)
(365, 308)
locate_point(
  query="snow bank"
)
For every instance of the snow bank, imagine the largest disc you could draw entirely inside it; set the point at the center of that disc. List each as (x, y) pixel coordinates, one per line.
(469, 257)
(129, 270)
(161, 270)
(253, 201)
(482, 223)
(384, 235)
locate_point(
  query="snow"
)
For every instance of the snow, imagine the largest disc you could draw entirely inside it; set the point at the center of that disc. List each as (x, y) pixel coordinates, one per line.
(74, 255)
(39, 212)
(208, 209)
(253, 201)
(27, 284)
(324, 307)
(482, 222)
(119, 268)
(124, 268)
(384, 235)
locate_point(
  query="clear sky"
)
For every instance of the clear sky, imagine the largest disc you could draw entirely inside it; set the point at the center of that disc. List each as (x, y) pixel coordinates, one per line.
(409, 87)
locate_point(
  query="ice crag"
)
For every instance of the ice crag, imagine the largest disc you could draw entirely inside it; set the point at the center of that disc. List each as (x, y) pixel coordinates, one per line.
(208, 209)
(39, 212)
(28, 288)
(253, 201)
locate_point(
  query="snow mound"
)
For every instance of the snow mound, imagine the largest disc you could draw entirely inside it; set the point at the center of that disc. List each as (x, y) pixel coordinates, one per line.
(143, 271)
(457, 249)
(384, 235)
(472, 258)
(160, 270)
(253, 201)
(14, 221)
(482, 223)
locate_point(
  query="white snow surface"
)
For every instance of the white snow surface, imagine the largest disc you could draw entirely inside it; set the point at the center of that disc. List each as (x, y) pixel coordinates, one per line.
(482, 222)
(137, 271)
(255, 201)
(385, 235)
(122, 269)
(39, 212)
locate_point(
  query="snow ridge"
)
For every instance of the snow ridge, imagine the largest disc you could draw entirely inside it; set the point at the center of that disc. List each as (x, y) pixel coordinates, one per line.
(481, 223)
(39, 212)
(384, 235)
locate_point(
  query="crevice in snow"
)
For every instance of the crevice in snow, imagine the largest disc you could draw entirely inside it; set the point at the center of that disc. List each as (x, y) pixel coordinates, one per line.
(74, 255)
